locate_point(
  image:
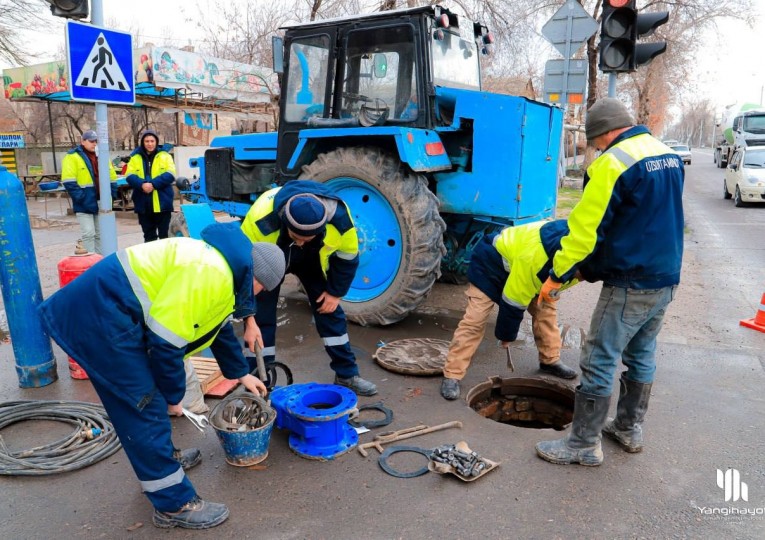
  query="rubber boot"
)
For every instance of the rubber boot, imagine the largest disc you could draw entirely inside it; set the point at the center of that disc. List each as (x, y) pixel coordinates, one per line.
(626, 429)
(582, 445)
(195, 514)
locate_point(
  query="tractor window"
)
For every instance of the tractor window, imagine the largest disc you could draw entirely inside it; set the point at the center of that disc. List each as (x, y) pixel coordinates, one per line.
(379, 74)
(455, 62)
(307, 78)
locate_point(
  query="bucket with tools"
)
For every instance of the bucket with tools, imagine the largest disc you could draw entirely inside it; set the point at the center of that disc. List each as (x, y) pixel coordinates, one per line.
(243, 423)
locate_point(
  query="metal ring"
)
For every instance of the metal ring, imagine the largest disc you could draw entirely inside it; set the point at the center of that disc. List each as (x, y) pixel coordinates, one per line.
(374, 423)
(383, 461)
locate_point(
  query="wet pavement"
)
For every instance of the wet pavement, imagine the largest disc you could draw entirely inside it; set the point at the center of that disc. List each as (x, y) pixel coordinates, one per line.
(705, 414)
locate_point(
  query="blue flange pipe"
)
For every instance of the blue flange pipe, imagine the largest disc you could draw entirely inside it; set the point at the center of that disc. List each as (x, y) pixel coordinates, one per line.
(317, 415)
(20, 281)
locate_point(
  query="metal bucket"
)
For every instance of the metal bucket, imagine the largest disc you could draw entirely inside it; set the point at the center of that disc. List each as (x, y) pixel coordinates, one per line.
(243, 445)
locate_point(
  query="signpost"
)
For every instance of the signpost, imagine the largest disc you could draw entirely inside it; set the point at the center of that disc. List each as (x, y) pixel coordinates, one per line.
(101, 71)
(567, 30)
(100, 64)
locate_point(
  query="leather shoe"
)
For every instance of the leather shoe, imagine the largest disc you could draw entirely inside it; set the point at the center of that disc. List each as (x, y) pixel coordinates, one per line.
(450, 389)
(558, 369)
(362, 387)
(195, 514)
(191, 457)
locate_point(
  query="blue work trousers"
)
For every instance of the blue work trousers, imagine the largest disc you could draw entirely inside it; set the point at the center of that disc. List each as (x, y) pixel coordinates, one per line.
(332, 327)
(625, 324)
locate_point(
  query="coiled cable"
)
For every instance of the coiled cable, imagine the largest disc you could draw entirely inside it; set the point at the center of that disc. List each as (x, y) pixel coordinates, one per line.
(92, 440)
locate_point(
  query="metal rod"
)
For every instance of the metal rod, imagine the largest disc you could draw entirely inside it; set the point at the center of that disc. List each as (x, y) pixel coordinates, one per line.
(52, 138)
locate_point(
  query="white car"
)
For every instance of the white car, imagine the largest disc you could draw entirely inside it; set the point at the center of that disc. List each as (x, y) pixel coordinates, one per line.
(745, 176)
(683, 151)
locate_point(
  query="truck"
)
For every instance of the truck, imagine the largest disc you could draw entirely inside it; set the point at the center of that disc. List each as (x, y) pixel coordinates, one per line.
(740, 126)
(387, 109)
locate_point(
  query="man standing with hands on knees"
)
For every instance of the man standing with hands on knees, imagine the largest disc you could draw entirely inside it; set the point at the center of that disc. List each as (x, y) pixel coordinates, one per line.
(628, 231)
(140, 313)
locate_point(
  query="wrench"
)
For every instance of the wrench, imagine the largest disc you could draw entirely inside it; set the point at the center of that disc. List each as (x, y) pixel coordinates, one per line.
(199, 420)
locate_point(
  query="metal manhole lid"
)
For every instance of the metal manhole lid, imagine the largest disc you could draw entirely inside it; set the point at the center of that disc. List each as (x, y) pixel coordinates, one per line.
(415, 356)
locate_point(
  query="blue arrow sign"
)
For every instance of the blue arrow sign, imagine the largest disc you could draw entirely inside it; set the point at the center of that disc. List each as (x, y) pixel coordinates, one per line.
(100, 64)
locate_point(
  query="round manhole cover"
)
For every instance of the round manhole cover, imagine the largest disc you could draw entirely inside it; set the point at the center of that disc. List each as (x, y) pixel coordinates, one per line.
(531, 402)
(416, 356)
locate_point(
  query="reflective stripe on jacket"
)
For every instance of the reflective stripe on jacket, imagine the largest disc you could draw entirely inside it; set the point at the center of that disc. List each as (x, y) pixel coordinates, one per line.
(162, 177)
(627, 230)
(77, 178)
(340, 248)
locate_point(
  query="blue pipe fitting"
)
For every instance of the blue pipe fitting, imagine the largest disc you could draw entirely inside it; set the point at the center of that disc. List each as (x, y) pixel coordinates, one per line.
(35, 363)
(317, 417)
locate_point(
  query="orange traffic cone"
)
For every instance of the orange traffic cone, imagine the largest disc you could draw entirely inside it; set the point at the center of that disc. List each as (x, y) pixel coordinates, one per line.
(758, 322)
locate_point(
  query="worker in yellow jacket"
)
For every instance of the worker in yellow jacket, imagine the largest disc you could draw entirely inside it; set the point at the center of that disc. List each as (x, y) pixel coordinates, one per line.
(140, 313)
(507, 269)
(79, 176)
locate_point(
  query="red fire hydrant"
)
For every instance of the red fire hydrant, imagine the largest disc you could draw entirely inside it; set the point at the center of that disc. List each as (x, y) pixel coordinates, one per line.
(68, 269)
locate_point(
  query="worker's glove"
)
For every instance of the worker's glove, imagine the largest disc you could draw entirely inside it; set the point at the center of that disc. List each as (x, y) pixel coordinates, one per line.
(550, 292)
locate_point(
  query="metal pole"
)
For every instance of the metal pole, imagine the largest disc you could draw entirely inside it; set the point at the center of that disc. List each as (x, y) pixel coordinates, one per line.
(52, 138)
(106, 219)
(612, 84)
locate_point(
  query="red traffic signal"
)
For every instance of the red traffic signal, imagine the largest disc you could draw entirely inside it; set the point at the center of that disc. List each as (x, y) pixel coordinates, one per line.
(621, 27)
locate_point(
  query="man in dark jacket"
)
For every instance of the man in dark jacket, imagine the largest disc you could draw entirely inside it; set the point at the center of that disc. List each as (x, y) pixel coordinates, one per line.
(314, 229)
(151, 174)
(140, 313)
(627, 230)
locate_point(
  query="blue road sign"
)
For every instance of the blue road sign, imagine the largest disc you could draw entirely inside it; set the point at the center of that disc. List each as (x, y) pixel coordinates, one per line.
(100, 64)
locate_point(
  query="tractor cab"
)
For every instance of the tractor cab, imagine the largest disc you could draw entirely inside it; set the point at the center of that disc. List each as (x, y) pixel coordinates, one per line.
(379, 70)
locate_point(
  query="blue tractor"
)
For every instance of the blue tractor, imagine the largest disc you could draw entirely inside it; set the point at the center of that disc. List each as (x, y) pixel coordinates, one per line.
(387, 108)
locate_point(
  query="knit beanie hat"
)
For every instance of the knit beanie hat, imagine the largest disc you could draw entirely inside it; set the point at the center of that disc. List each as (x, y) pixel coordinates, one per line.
(605, 115)
(267, 264)
(306, 214)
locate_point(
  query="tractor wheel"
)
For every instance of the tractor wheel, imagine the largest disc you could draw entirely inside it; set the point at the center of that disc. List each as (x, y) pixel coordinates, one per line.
(399, 227)
(178, 226)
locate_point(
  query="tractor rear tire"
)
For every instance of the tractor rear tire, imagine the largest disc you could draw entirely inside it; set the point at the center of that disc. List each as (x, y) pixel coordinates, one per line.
(379, 190)
(178, 225)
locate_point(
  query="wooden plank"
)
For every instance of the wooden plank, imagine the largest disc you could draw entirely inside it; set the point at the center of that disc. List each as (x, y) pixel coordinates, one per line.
(212, 381)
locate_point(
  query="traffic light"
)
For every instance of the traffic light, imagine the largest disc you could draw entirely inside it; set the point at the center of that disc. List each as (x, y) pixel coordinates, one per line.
(621, 27)
(71, 9)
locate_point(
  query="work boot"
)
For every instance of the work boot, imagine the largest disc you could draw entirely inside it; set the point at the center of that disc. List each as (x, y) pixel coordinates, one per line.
(195, 514)
(558, 369)
(450, 388)
(630, 411)
(582, 445)
(191, 457)
(362, 387)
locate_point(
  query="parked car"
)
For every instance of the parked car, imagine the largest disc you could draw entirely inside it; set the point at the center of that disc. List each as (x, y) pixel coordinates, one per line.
(683, 151)
(745, 176)
(670, 142)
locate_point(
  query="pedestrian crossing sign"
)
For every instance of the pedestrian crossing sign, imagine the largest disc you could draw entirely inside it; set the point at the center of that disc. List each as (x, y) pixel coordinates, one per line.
(100, 64)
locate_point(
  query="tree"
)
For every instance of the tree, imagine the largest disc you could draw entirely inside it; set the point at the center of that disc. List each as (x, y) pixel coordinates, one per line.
(18, 15)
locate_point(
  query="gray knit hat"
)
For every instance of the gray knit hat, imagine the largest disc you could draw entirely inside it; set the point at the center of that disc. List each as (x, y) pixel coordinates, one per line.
(605, 115)
(267, 264)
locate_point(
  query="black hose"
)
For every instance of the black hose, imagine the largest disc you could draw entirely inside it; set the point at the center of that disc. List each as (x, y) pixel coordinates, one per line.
(83, 447)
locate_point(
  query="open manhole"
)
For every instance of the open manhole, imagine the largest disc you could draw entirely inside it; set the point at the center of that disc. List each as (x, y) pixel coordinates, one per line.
(530, 402)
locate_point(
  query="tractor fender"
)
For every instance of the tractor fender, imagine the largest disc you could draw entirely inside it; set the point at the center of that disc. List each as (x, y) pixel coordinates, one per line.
(421, 149)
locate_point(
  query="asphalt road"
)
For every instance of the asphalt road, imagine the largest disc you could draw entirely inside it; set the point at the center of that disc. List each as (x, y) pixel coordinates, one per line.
(706, 414)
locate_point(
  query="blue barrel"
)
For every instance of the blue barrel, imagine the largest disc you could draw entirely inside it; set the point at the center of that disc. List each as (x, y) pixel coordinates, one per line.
(250, 445)
(20, 281)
